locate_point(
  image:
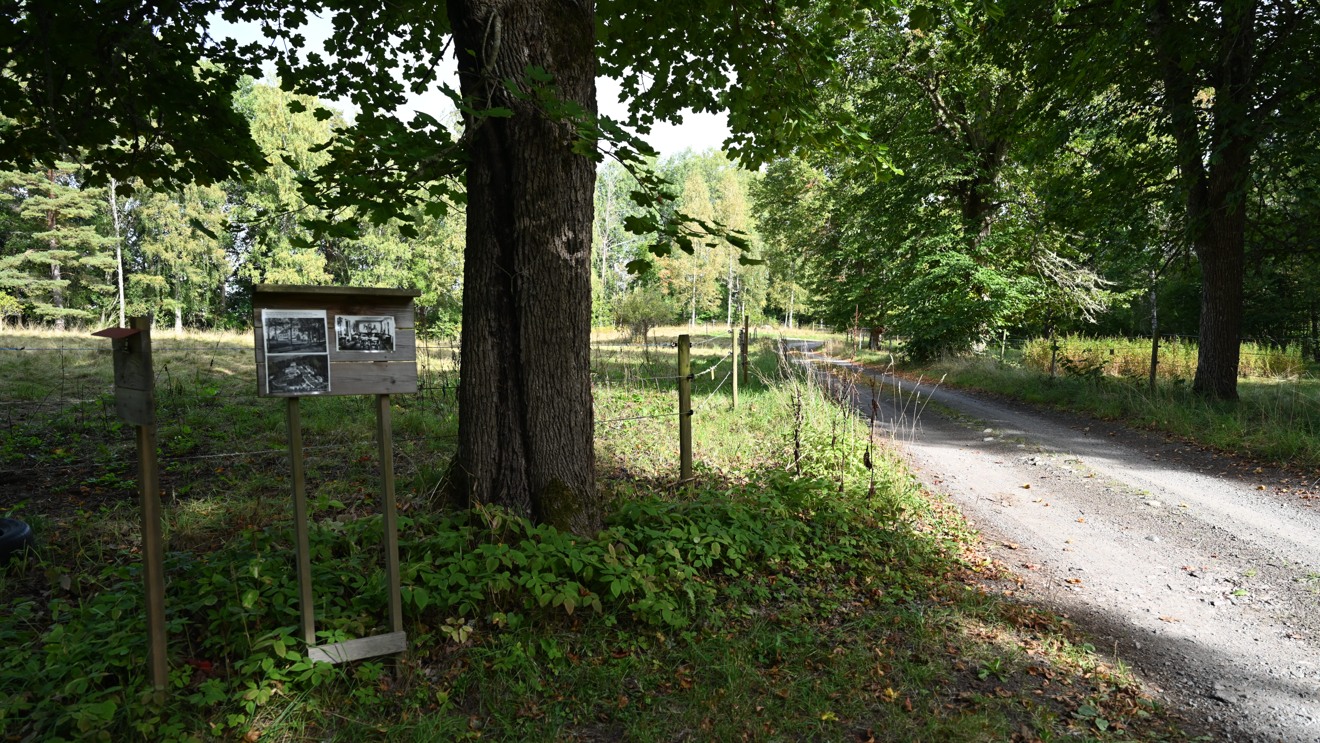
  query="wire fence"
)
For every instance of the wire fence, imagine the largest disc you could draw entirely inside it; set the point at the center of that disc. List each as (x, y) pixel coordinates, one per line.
(52, 385)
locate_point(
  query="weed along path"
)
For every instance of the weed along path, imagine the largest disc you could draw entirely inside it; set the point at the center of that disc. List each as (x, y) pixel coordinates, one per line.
(1205, 578)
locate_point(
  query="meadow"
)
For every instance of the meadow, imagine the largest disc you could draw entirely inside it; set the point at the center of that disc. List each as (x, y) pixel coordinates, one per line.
(796, 589)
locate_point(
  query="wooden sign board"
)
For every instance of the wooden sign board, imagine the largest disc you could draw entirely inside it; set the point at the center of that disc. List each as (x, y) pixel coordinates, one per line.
(134, 381)
(334, 340)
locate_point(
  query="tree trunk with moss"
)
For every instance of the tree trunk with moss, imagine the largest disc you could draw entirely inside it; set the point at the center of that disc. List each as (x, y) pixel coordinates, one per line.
(525, 407)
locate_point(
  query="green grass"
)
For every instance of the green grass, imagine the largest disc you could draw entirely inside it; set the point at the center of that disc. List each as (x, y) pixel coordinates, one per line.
(1276, 419)
(839, 604)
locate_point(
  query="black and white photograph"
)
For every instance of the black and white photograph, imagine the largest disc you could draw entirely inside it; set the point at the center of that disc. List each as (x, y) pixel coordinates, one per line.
(297, 352)
(298, 374)
(371, 333)
(294, 331)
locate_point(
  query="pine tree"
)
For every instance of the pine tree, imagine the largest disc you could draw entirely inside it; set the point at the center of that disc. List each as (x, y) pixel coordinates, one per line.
(55, 260)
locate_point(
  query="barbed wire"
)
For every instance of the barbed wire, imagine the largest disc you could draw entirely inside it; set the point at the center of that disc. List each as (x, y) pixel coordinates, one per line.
(637, 418)
(711, 369)
(167, 459)
(654, 379)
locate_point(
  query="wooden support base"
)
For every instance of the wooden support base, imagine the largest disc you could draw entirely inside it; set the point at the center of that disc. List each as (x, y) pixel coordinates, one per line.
(362, 647)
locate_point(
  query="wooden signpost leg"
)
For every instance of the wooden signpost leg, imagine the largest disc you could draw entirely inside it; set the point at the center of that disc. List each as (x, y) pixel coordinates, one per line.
(385, 439)
(300, 524)
(153, 560)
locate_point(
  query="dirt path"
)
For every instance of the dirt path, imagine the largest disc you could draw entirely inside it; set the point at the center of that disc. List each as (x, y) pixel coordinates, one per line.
(1208, 586)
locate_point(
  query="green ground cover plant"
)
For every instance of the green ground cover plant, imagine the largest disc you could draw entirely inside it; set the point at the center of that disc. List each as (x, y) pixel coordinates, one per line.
(803, 587)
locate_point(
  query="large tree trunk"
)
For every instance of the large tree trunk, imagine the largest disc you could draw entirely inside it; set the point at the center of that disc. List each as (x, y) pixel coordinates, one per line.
(1214, 169)
(525, 408)
(1220, 246)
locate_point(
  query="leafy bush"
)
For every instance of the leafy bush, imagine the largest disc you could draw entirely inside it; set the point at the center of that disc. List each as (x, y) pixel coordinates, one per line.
(952, 305)
(76, 666)
(640, 310)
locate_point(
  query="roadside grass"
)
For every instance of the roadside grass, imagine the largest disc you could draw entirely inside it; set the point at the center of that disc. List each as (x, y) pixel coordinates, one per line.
(1077, 355)
(1275, 419)
(754, 603)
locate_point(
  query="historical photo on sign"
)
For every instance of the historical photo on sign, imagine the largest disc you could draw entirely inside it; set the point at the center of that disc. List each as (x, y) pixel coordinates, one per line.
(297, 352)
(298, 374)
(374, 333)
(294, 331)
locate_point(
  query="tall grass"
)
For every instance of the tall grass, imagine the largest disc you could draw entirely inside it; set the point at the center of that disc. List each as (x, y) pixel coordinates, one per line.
(1276, 419)
(1130, 357)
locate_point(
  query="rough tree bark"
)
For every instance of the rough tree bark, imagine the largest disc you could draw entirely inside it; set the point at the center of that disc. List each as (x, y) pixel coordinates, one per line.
(1215, 187)
(525, 408)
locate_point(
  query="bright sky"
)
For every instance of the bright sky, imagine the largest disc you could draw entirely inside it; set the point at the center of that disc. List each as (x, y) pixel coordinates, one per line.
(697, 132)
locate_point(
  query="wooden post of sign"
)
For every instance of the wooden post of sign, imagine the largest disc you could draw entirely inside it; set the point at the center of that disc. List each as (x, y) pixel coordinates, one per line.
(733, 351)
(744, 351)
(330, 340)
(153, 547)
(684, 408)
(389, 513)
(305, 608)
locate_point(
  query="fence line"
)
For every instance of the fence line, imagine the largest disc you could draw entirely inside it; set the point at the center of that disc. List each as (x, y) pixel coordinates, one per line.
(87, 395)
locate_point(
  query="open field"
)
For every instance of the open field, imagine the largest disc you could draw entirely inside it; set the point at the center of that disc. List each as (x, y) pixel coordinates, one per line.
(803, 587)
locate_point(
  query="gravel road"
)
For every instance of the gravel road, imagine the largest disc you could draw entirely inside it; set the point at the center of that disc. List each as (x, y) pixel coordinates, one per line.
(1201, 573)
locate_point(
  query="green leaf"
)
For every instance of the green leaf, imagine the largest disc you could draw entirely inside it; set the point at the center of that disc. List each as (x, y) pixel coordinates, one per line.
(196, 224)
(638, 267)
(538, 74)
(639, 225)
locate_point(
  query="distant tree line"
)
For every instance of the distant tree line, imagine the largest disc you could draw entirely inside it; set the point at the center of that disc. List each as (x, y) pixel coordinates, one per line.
(191, 255)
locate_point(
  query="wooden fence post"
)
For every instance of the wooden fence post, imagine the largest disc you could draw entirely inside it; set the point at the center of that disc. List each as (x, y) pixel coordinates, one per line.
(685, 407)
(744, 351)
(733, 353)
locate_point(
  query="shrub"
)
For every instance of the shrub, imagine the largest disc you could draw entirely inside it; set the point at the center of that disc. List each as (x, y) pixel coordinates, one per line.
(638, 311)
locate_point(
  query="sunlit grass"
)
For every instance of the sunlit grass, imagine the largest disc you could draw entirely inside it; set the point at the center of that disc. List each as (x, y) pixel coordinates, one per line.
(1274, 418)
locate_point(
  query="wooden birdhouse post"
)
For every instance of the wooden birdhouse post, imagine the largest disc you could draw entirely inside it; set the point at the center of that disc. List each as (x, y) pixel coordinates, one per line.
(135, 403)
